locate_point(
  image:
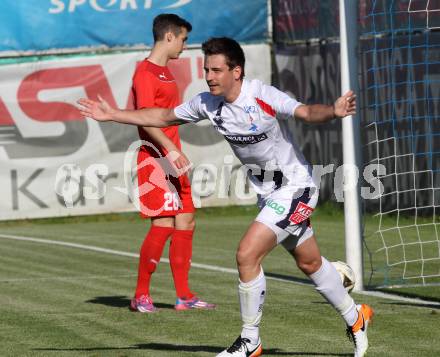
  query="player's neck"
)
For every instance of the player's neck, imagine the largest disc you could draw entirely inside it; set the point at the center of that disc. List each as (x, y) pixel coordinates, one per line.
(234, 93)
(158, 56)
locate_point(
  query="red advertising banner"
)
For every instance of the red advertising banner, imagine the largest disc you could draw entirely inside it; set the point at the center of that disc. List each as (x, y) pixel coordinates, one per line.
(49, 152)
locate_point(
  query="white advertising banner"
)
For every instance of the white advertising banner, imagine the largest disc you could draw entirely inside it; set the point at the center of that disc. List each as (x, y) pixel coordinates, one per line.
(53, 162)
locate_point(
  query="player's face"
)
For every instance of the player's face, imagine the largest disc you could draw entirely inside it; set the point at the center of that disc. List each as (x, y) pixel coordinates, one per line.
(220, 78)
(178, 43)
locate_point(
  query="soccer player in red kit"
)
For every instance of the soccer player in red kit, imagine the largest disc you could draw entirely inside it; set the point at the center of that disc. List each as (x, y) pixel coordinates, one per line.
(165, 199)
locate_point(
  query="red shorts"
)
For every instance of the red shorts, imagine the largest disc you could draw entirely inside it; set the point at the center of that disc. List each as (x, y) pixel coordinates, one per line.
(161, 195)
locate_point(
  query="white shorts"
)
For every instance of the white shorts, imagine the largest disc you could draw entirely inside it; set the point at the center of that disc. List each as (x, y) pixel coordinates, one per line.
(287, 213)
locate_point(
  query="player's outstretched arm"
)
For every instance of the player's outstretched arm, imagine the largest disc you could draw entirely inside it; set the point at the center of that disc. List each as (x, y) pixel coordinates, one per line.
(320, 113)
(102, 111)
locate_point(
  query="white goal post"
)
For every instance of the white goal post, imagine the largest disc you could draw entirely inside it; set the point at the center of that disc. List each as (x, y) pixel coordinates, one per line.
(398, 131)
(351, 138)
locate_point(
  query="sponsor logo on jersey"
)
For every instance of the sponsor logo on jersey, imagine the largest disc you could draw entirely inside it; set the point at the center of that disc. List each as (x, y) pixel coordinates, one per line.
(253, 126)
(246, 139)
(302, 212)
(250, 109)
(279, 209)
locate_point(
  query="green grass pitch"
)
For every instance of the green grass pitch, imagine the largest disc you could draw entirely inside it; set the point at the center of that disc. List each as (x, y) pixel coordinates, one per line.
(57, 300)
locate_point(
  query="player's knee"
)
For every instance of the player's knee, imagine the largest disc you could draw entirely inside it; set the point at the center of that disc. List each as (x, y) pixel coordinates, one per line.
(186, 226)
(187, 223)
(151, 266)
(190, 225)
(241, 257)
(245, 257)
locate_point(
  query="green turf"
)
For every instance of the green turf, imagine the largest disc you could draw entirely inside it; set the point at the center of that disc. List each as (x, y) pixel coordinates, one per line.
(62, 301)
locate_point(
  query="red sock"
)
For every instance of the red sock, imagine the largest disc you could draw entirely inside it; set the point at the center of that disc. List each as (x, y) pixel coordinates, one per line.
(180, 261)
(149, 257)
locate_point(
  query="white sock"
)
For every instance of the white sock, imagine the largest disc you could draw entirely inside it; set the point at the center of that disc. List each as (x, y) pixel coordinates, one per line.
(252, 296)
(329, 285)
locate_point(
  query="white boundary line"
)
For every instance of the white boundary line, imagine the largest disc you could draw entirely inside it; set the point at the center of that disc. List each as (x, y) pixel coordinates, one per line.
(201, 266)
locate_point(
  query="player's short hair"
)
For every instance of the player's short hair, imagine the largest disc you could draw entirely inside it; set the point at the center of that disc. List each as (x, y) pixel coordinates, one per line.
(227, 47)
(168, 22)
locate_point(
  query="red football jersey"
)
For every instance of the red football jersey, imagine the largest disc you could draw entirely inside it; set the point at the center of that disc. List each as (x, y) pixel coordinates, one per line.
(155, 86)
(159, 194)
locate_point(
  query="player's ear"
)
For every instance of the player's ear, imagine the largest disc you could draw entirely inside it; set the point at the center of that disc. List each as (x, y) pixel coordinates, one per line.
(237, 72)
(169, 36)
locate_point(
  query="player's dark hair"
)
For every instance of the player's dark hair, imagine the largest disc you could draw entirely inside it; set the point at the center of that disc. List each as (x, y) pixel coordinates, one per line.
(227, 47)
(168, 22)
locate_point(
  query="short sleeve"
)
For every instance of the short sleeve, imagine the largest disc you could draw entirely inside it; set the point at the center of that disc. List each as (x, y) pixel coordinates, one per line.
(283, 105)
(191, 111)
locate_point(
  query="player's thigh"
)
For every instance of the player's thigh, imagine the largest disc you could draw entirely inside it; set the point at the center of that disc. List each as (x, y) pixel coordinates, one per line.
(183, 188)
(159, 202)
(157, 196)
(256, 243)
(177, 204)
(185, 221)
(167, 221)
(169, 198)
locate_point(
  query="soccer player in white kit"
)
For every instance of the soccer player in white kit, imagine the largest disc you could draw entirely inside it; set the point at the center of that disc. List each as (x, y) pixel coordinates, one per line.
(252, 117)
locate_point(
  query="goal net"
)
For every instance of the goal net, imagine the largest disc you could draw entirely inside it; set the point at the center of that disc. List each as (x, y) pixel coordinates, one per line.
(400, 110)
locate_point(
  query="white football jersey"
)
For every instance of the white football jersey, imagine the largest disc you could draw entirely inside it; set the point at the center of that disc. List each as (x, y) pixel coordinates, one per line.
(260, 141)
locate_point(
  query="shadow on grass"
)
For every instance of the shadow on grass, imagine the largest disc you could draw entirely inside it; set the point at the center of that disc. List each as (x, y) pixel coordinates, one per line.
(187, 348)
(121, 302)
(428, 306)
(304, 281)
(399, 303)
(407, 294)
(424, 300)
